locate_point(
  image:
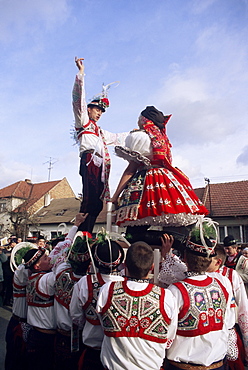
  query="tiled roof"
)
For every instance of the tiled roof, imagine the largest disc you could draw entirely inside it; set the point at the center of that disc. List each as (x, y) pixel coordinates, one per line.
(64, 210)
(20, 189)
(40, 189)
(227, 199)
(25, 189)
(59, 210)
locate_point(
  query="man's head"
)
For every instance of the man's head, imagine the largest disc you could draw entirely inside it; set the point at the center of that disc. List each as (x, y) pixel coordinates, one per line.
(218, 260)
(230, 245)
(96, 107)
(245, 252)
(40, 241)
(94, 112)
(107, 255)
(37, 260)
(139, 260)
(79, 255)
(196, 263)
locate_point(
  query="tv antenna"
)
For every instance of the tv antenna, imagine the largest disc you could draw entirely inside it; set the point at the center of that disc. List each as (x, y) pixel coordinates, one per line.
(50, 166)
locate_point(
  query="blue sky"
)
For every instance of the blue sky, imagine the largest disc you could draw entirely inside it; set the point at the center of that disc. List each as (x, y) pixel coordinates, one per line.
(186, 57)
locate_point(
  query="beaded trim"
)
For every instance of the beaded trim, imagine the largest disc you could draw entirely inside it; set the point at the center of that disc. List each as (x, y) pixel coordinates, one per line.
(35, 258)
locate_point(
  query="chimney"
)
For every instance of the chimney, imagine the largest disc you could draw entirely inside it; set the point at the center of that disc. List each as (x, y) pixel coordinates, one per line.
(47, 200)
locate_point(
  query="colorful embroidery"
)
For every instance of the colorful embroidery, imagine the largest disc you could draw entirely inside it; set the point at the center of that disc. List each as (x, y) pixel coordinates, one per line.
(204, 307)
(139, 315)
(34, 296)
(93, 291)
(64, 284)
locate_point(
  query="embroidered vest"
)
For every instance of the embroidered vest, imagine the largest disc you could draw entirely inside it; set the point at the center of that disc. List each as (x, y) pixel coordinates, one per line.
(64, 284)
(93, 291)
(34, 296)
(90, 128)
(19, 290)
(228, 272)
(232, 264)
(204, 306)
(140, 314)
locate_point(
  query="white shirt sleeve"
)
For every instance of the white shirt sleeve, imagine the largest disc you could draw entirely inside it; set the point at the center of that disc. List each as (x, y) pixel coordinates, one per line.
(78, 299)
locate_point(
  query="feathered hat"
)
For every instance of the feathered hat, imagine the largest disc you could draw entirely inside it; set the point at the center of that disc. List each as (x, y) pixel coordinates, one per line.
(101, 100)
(33, 255)
(229, 240)
(107, 253)
(203, 238)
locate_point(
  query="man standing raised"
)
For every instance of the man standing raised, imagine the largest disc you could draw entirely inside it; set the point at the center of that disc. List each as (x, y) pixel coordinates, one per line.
(93, 141)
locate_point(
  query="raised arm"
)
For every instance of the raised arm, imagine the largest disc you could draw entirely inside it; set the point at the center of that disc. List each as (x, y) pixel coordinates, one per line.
(78, 96)
(126, 176)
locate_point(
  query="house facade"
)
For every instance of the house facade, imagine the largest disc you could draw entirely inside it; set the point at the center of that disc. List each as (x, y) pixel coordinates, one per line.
(228, 205)
(19, 203)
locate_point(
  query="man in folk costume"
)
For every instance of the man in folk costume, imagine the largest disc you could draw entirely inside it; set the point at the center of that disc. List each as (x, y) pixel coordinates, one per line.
(15, 344)
(40, 292)
(237, 354)
(205, 310)
(236, 260)
(139, 319)
(93, 151)
(107, 256)
(40, 300)
(68, 273)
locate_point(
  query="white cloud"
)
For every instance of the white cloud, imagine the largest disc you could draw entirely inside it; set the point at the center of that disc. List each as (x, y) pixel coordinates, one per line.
(23, 17)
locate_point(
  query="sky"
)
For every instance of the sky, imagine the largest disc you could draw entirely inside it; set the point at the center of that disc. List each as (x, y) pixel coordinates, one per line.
(189, 58)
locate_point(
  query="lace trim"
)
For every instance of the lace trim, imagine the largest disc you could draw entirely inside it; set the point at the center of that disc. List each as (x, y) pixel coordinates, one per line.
(131, 212)
(127, 154)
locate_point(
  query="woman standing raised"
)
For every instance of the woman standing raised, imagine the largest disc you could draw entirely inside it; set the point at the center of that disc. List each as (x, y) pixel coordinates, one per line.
(154, 193)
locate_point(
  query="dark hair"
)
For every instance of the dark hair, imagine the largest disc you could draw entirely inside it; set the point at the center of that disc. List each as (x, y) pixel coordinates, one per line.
(220, 252)
(139, 259)
(80, 268)
(196, 263)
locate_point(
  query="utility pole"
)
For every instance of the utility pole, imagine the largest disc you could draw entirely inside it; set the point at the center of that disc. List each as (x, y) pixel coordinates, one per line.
(209, 195)
(50, 166)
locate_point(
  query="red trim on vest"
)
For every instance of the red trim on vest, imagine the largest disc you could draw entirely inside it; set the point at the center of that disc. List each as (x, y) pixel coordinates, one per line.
(45, 296)
(210, 321)
(131, 331)
(65, 303)
(90, 296)
(82, 130)
(20, 291)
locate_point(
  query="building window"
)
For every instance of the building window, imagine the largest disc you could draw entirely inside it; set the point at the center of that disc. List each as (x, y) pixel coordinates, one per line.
(245, 232)
(3, 207)
(235, 232)
(230, 230)
(55, 234)
(61, 213)
(221, 233)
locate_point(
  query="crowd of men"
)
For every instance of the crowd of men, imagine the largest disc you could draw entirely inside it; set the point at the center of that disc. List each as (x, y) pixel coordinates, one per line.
(87, 305)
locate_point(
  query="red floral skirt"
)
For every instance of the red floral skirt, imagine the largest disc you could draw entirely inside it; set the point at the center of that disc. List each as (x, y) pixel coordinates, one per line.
(158, 196)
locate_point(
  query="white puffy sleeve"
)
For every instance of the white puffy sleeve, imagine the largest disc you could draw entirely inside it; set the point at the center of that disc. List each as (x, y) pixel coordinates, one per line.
(137, 147)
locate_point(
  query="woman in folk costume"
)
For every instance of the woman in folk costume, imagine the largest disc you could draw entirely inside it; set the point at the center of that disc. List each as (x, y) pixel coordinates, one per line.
(154, 192)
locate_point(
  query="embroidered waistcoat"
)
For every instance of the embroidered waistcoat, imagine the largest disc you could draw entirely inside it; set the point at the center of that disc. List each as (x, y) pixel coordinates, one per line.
(93, 291)
(64, 284)
(129, 313)
(90, 128)
(204, 306)
(34, 296)
(228, 272)
(19, 290)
